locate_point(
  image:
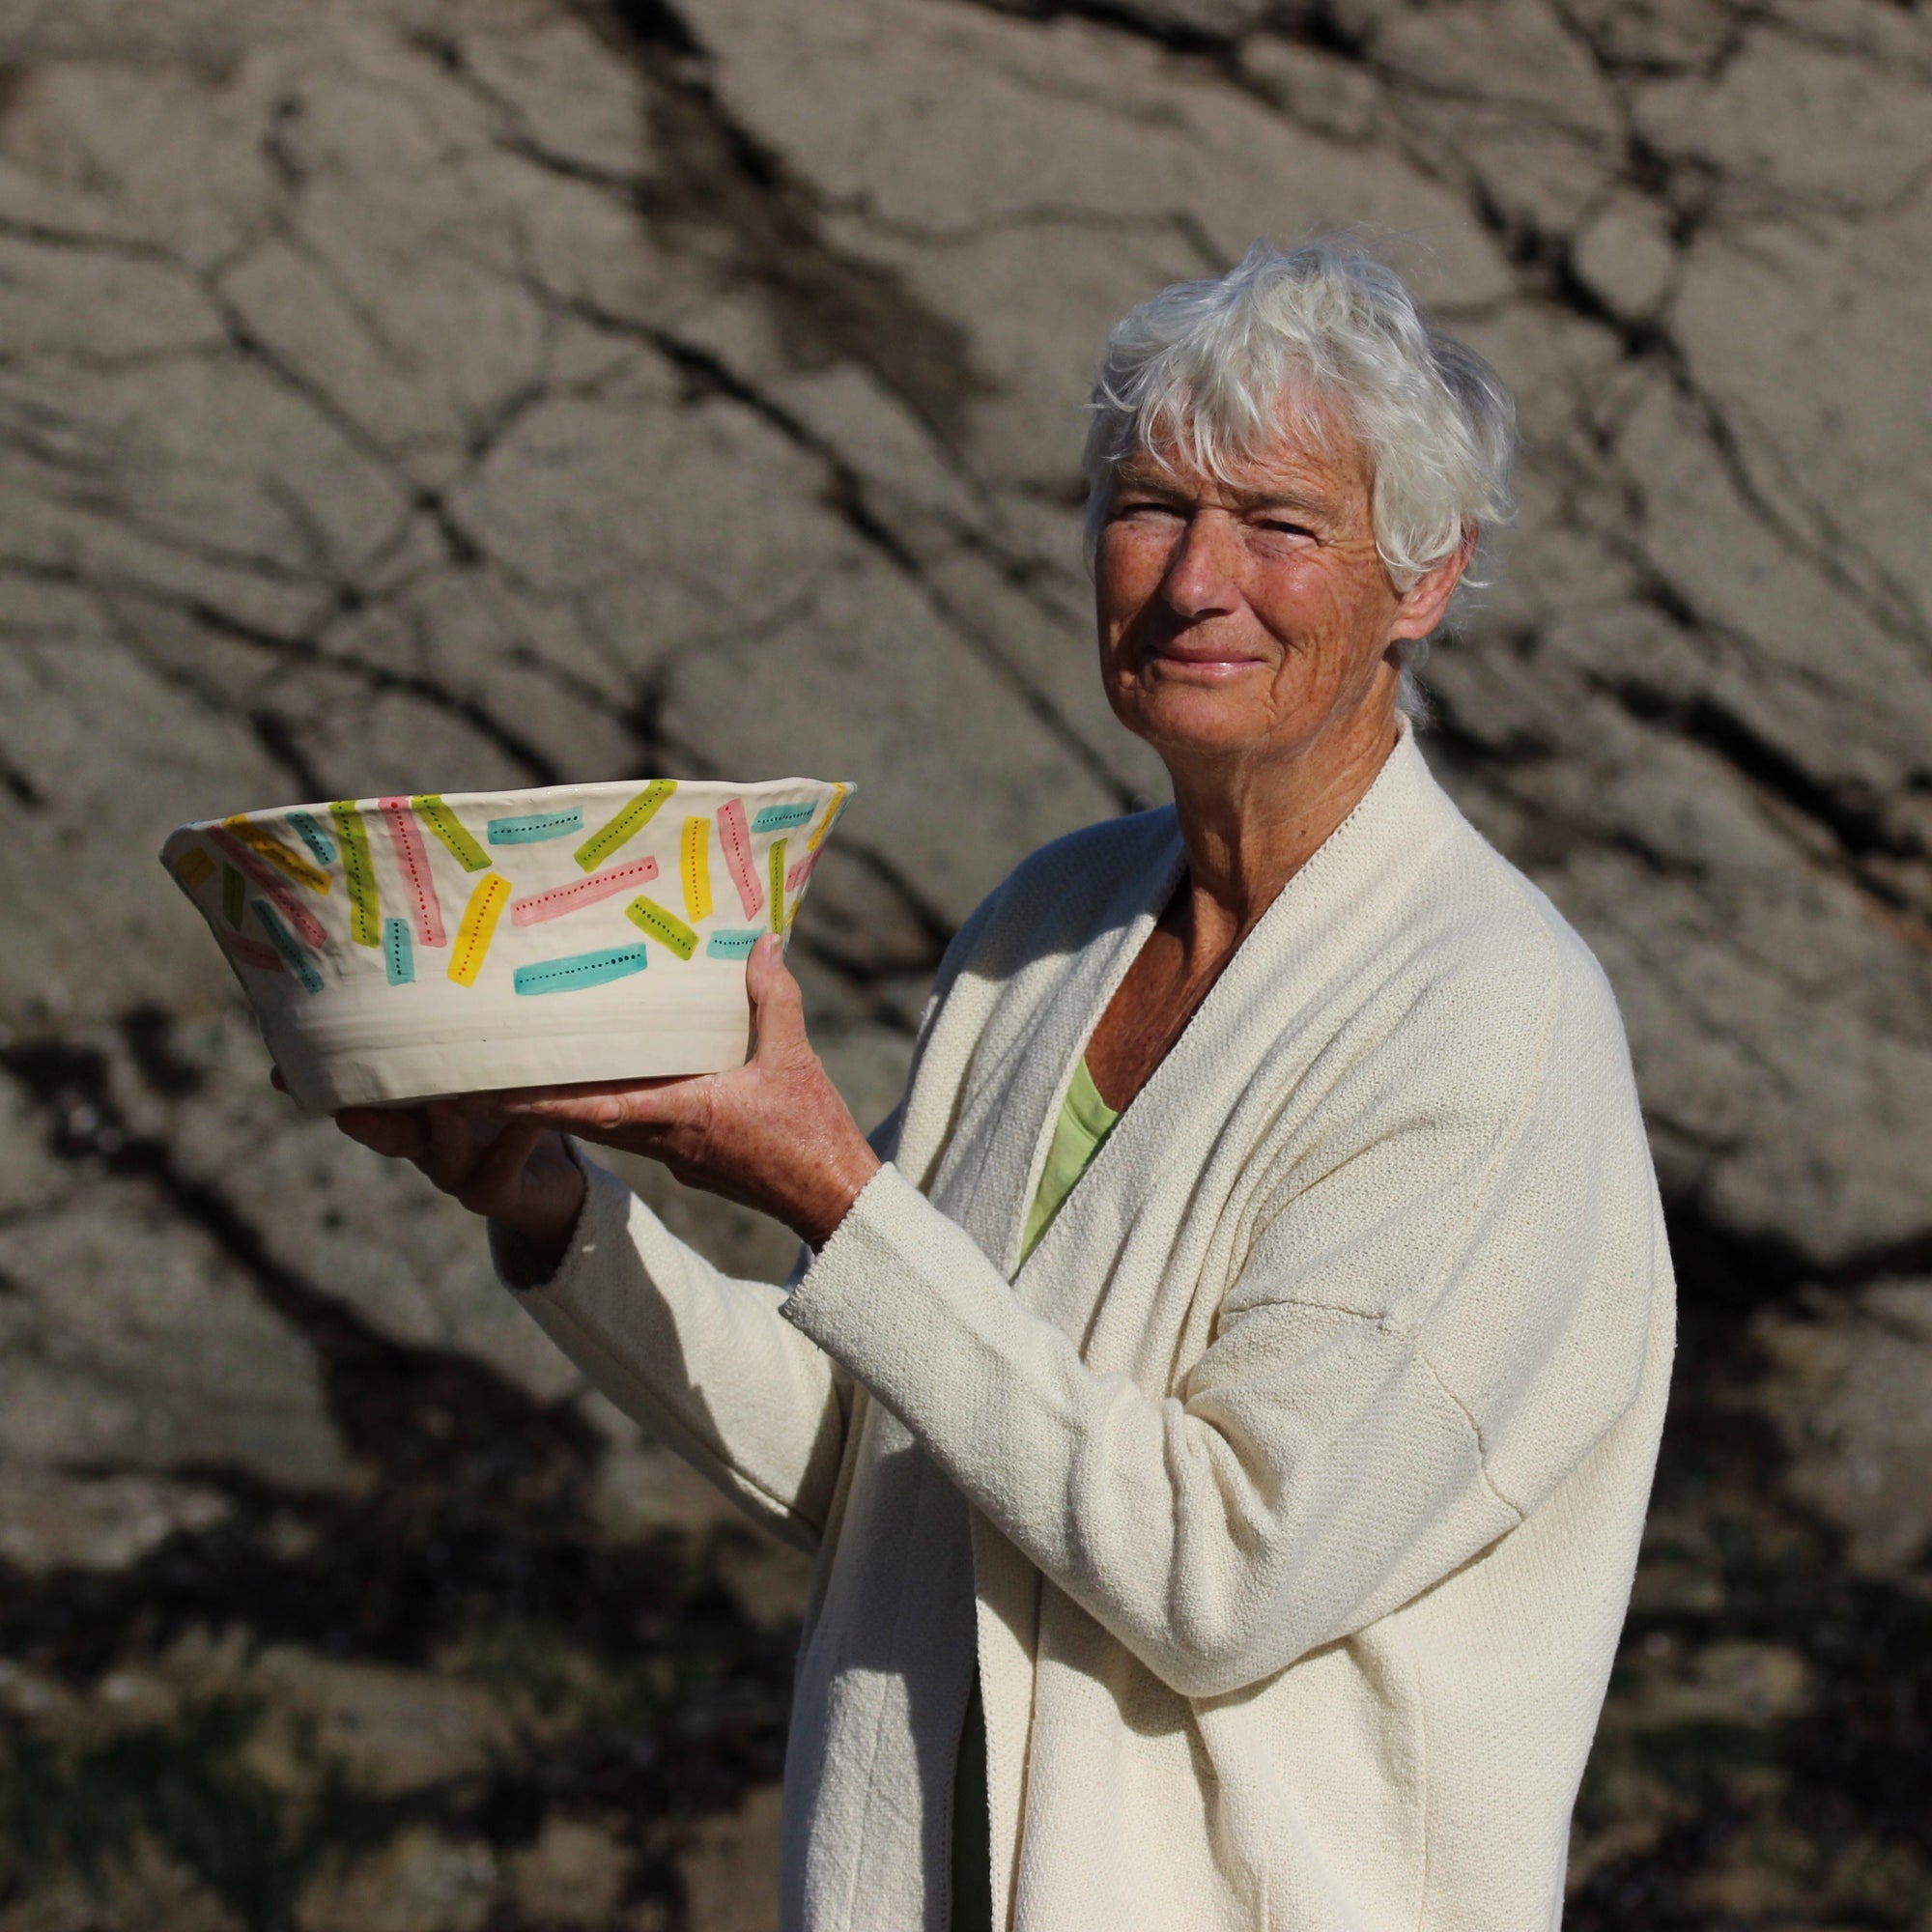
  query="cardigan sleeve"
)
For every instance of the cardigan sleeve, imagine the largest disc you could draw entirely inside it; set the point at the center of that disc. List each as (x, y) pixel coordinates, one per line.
(700, 1357)
(703, 1359)
(1440, 1315)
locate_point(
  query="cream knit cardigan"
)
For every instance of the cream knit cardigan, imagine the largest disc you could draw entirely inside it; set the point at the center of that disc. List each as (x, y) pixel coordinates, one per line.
(1292, 1487)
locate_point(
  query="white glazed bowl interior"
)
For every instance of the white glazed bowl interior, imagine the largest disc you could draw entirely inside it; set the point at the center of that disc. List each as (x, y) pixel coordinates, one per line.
(396, 948)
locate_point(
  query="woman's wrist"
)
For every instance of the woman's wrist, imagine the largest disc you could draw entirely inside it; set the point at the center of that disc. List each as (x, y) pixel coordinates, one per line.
(843, 1181)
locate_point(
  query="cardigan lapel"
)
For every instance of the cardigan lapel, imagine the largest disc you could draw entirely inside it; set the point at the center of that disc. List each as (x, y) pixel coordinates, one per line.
(1031, 1044)
(1278, 999)
(1033, 1035)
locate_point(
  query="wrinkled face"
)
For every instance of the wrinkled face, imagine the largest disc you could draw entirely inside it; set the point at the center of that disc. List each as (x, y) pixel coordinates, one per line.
(1247, 621)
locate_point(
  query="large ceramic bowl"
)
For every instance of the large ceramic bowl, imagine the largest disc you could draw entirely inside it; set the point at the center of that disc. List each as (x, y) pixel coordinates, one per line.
(395, 948)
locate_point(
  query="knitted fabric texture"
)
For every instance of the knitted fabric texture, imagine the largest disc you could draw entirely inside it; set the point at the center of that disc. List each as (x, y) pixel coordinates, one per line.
(1288, 1493)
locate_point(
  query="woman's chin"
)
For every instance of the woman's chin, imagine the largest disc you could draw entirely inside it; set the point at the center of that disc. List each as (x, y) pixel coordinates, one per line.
(1200, 720)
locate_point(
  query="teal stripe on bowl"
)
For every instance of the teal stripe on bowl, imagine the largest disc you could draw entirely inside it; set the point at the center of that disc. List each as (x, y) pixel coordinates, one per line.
(538, 826)
(313, 837)
(781, 818)
(399, 951)
(580, 970)
(293, 954)
(734, 945)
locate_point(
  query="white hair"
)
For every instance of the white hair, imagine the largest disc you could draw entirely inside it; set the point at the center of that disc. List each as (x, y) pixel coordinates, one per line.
(1212, 372)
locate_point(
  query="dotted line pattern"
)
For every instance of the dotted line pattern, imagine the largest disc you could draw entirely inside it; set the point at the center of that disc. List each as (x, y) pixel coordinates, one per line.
(313, 837)
(283, 941)
(781, 818)
(662, 924)
(452, 831)
(415, 859)
(534, 828)
(735, 837)
(627, 824)
(399, 956)
(358, 868)
(560, 899)
(478, 927)
(778, 865)
(697, 869)
(580, 970)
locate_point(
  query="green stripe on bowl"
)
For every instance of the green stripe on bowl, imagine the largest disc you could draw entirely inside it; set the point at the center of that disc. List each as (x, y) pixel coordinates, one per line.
(454, 834)
(662, 924)
(627, 824)
(365, 906)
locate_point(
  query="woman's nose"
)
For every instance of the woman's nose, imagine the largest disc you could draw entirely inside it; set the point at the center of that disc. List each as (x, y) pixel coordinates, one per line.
(1201, 580)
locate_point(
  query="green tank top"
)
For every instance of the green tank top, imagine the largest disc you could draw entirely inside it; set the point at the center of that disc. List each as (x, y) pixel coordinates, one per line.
(1085, 1121)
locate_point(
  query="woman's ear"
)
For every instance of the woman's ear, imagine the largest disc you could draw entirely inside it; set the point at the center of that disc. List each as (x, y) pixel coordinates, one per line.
(1420, 609)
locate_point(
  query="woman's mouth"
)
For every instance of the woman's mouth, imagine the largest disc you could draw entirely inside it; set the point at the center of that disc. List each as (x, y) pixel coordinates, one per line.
(1195, 661)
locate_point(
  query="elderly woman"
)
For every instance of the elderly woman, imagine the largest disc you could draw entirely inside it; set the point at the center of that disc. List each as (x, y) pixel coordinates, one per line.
(1222, 1398)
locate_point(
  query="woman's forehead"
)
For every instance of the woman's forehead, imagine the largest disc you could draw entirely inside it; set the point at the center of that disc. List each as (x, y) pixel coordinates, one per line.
(1294, 469)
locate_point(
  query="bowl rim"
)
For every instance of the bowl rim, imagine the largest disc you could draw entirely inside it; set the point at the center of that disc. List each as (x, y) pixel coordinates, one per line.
(577, 788)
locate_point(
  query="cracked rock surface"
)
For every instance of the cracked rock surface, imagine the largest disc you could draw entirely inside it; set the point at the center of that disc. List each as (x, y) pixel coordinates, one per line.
(399, 394)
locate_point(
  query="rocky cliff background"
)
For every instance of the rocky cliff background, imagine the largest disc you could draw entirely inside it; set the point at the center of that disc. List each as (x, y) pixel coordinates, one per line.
(398, 394)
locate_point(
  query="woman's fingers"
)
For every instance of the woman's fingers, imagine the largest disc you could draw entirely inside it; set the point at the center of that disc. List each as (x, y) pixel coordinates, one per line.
(450, 1149)
(626, 1103)
(401, 1133)
(455, 1146)
(771, 1133)
(480, 1163)
(499, 1165)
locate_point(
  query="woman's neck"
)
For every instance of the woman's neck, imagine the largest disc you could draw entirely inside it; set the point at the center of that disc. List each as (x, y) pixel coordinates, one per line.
(1249, 826)
(1248, 831)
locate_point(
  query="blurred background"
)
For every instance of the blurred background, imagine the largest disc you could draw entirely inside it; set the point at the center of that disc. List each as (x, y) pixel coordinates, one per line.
(410, 394)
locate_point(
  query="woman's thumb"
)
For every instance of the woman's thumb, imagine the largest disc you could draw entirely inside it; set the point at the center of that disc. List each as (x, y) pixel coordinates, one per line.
(777, 1006)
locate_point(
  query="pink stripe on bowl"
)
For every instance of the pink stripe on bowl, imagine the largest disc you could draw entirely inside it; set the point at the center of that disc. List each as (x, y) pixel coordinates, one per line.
(735, 837)
(560, 899)
(414, 857)
(271, 886)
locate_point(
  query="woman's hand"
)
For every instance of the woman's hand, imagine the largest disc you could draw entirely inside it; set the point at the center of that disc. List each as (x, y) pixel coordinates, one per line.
(773, 1134)
(515, 1172)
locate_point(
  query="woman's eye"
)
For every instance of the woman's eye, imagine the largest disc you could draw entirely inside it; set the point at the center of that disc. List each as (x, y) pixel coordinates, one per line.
(1285, 529)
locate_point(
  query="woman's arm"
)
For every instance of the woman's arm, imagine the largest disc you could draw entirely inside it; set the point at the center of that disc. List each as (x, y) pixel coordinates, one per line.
(1420, 1343)
(702, 1357)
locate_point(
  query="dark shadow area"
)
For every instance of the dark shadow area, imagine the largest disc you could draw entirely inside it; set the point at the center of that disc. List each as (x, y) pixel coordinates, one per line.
(1766, 1749)
(633, 1687)
(244, 1717)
